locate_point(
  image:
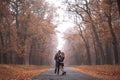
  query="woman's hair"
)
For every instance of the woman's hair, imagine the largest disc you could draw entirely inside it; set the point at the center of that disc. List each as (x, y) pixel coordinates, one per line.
(62, 53)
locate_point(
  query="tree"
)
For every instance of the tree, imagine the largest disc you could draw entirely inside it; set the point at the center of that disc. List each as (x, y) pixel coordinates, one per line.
(26, 32)
(108, 14)
(118, 3)
(84, 11)
(84, 38)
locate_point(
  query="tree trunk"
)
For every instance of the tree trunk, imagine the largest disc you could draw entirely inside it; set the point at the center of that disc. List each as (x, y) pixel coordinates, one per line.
(118, 3)
(86, 47)
(108, 52)
(96, 54)
(99, 46)
(16, 14)
(1, 58)
(114, 40)
(100, 49)
(1, 46)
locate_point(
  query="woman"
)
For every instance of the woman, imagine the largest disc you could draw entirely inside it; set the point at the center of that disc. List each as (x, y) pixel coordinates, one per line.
(61, 62)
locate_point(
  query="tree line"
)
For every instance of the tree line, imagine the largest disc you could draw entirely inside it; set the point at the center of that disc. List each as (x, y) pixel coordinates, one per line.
(97, 40)
(27, 34)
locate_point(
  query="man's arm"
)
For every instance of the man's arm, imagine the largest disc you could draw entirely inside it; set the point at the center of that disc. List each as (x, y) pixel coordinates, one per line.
(55, 58)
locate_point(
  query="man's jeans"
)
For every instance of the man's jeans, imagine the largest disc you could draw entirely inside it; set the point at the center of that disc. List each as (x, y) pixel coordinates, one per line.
(57, 67)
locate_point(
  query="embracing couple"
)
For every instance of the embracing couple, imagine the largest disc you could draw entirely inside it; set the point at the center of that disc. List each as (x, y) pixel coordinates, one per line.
(59, 64)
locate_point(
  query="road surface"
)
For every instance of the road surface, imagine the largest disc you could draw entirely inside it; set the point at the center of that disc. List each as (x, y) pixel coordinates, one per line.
(70, 75)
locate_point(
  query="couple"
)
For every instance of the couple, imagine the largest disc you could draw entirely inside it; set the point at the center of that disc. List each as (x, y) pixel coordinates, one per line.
(59, 65)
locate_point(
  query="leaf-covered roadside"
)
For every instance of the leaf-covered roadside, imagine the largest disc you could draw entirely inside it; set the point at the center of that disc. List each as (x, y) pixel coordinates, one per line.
(20, 72)
(104, 72)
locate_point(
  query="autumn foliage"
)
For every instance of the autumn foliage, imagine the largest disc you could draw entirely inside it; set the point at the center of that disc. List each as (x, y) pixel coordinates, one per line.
(97, 32)
(20, 72)
(104, 72)
(26, 32)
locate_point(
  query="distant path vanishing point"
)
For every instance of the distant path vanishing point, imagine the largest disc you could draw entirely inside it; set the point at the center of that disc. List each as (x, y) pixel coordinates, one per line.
(70, 75)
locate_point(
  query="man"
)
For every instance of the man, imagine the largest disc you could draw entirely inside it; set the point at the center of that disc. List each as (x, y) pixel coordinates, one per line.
(57, 64)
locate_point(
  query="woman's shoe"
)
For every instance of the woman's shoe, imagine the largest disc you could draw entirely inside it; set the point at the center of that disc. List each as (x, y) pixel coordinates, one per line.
(64, 73)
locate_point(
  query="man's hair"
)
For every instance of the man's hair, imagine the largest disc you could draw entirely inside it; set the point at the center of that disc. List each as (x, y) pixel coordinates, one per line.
(59, 51)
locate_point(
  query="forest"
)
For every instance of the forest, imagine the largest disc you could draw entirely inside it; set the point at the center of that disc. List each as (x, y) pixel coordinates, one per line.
(26, 32)
(97, 40)
(28, 36)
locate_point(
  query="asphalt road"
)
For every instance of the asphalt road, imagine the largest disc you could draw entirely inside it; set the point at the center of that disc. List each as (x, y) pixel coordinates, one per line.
(70, 75)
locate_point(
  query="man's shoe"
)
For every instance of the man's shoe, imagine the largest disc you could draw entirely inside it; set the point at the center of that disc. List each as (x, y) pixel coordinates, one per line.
(55, 74)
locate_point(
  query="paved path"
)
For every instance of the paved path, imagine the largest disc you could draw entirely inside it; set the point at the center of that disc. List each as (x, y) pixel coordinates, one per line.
(70, 75)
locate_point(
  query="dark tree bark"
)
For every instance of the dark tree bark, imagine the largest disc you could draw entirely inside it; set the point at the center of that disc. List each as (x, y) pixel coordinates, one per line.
(114, 41)
(118, 3)
(114, 38)
(95, 49)
(1, 50)
(108, 52)
(89, 62)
